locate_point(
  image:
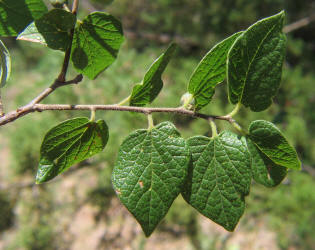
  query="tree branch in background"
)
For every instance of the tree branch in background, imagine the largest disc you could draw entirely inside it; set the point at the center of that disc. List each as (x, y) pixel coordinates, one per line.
(299, 24)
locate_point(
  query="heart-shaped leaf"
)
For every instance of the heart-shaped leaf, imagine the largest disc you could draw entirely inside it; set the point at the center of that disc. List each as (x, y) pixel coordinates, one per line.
(70, 142)
(145, 93)
(52, 29)
(149, 173)
(96, 43)
(219, 177)
(15, 15)
(269, 139)
(210, 72)
(255, 63)
(264, 170)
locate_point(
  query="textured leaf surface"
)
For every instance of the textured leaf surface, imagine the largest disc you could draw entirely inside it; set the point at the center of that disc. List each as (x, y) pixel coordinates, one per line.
(210, 72)
(96, 43)
(152, 83)
(15, 15)
(255, 63)
(264, 171)
(219, 177)
(149, 173)
(269, 139)
(68, 143)
(5, 64)
(52, 29)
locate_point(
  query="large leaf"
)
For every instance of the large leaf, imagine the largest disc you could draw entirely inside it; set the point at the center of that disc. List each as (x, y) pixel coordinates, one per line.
(96, 43)
(218, 178)
(15, 15)
(255, 63)
(52, 29)
(269, 139)
(5, 66)
(152, 83)
(210, 72)
(149, 173)
(68, 143)
(264, 171)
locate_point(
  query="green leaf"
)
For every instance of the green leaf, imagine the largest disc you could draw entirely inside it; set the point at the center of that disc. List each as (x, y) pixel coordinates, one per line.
(210, 72)
(5, 64)
(269, 139)
(149, 173)
(152, 83)
(219, 177)
(255, 64)
(52, 29)
(96, 43)
(264, 171)
(70, 142)
(15, 15)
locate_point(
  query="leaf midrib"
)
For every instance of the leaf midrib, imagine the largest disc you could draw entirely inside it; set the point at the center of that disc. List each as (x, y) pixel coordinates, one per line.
(254, 58)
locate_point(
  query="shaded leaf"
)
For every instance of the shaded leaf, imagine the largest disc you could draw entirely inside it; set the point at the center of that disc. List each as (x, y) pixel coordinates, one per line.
(269, 139)
(255, 63)
(5, 64)
(264, 171)
(96, 43)
(15, 15)
(149, 173)
(70, 142)
(152, 83)
(210, 72)
(219, 177)
(52, 29)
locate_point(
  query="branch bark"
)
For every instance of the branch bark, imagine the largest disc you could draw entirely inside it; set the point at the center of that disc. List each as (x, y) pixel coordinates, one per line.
(12, 116)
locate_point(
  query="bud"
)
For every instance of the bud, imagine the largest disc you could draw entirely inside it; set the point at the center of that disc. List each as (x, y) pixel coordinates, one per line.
(187, 101)
(58, 3)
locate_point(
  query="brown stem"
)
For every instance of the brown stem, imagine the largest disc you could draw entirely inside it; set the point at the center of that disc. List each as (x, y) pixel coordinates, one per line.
(62, 76)
(52, 88)
(12, 116)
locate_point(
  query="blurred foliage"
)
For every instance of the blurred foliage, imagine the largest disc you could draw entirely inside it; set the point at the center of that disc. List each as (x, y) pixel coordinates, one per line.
(289, 210)
(6, 212)
(202, 23)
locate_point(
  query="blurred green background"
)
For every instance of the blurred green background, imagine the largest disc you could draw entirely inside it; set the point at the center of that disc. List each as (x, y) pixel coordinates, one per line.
(79, 210)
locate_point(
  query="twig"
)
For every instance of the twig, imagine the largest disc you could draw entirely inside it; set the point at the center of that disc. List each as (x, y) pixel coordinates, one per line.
(12, 116)
(61, 80)
(62, 76)
(52, 88)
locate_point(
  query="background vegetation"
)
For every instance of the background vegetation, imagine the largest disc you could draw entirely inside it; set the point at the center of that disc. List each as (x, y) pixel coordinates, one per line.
(79, 209)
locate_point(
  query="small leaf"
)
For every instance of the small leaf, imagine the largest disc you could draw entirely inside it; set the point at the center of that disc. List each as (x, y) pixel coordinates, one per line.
(15, 15)
(52, 29)
(218, 178)
(96, 43)
(255, 64)
(5, 64)
(264, 171)
(210, 72)
(149, 173)
(269, 139)
(70, 142)
(152, 83)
